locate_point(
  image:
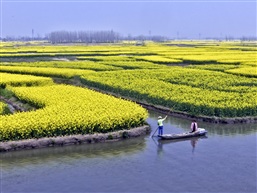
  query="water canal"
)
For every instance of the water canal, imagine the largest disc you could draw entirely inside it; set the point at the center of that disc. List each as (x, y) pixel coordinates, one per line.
(225, 161)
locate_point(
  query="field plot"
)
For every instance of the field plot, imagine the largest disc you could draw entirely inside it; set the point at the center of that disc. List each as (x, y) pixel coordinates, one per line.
(245, 71)
(66, 110)
(85, 65)
(23, 80)
(214, 79)
(197, 92)
(51, 72)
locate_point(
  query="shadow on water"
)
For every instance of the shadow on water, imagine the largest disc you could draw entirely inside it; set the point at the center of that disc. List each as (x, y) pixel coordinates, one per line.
(160, 143)
(193, 140)
(74, 152)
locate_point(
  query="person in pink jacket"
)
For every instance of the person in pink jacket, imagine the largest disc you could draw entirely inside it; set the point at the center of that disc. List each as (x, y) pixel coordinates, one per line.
(194, 126)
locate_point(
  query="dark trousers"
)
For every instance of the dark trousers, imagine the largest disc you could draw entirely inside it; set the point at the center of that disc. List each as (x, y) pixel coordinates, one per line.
(160, 130)
(192, 131)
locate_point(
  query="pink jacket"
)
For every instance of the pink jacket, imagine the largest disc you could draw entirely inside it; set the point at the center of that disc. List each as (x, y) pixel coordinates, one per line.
(192, 125)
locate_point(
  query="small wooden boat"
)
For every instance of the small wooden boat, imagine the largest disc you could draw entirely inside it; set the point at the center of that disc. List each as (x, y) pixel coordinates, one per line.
(199, 132)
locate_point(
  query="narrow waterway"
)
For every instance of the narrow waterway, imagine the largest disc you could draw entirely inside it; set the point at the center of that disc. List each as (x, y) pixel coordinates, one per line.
(224, 161)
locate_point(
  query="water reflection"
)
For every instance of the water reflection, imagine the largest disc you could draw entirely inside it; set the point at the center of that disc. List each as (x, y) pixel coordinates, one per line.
(74, 152)
(160, 143)
(159, 146)
(232, 129)
(193, 140)
(193, 143)
(142, 164)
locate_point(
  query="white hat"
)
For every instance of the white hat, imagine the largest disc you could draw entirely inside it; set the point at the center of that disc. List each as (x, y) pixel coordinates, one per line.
(159, 117)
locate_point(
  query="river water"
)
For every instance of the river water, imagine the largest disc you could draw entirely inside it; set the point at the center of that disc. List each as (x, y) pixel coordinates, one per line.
(224, 161)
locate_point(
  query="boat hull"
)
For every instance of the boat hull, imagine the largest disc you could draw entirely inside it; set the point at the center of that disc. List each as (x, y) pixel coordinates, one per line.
(200, 132)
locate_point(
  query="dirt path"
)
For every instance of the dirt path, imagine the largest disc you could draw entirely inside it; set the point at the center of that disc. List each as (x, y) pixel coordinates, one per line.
(13, 106)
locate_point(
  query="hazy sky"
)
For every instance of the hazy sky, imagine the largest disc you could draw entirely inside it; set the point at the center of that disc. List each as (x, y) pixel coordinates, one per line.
(192, 19)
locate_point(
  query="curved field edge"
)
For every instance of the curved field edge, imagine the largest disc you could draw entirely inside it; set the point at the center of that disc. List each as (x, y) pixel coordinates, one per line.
(74, 139)
(68, 110)
(244, 71)
(8, 79)
(195, 97)
(148, 103)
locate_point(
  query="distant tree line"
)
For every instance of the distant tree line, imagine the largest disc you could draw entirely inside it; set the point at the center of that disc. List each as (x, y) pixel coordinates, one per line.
(108, 36)
(83, 37)
(155, 38)
(22, 38)
(248, 38)
(95, 37)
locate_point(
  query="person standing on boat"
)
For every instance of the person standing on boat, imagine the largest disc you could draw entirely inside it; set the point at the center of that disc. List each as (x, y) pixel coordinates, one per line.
(194, 126)
(160, 124)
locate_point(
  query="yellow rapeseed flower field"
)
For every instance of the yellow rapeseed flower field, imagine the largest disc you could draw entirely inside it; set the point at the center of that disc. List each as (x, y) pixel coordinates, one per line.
(23, 80)
(206, 78)
(66, 110)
